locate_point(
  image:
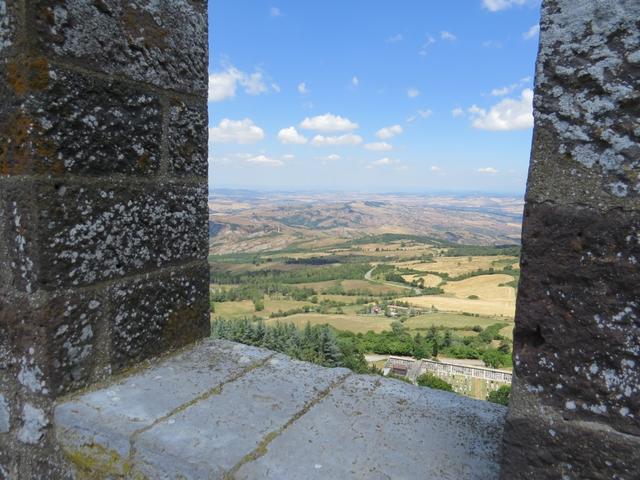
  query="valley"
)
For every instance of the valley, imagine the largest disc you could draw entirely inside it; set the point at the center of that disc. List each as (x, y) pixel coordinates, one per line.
(332, 280)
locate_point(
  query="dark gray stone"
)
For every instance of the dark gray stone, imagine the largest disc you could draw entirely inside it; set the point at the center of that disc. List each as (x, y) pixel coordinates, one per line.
(577, 334)
(188, 139)
(574, 408)
(543, 445)
(161, 43)
(92, 233)
(64, 122)
(153, 315)
(8, 26)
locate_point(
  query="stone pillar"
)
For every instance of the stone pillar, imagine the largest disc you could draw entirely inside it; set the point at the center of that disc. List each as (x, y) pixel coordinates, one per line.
(103, 201)
(575, 406)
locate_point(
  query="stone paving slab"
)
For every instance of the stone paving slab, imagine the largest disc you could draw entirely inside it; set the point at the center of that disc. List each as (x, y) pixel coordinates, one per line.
(379, 428)
(209, 438)
(224, 410)
(110, 416)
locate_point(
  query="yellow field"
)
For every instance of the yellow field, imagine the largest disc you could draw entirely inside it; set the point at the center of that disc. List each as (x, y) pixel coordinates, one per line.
(452, 304)
(507, 332)
(450, 320)
(348, 299)
(430, 280)
(246, 307)
(456, 265)
(353, 323)
(486, 287)
(232, 309)
(375, 288)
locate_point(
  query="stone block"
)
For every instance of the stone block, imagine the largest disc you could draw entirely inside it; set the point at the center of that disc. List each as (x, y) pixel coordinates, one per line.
(92, 233)
(577, 334)
(544, 445)
(380, 428)
(160, 43)
(8, 25)
(154, 314)
(55, 121)
(587, 103)
(55, 341)
(105, 420)
(239, 417)
(187, 139)
(18, 259)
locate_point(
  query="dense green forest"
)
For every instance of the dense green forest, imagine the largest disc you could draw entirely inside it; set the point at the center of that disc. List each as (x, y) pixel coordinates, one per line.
(326, 346)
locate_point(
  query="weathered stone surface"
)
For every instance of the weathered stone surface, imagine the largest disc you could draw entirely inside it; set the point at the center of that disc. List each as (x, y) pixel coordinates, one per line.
(187, 142)
(93, 233)
(19, 269)
(8, 25)
(56, 121)
(587, 103)
(577, 335)
(5, 415)
(561, 446)
(223, 409)
(574, 408)
(153, 315)
(379, 428)
(108, 418)
(53, 343)
(239, 417)
(161, 43)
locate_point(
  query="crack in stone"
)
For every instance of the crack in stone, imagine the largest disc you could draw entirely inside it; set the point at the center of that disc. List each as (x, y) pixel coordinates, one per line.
(261, 449)
(217, 390)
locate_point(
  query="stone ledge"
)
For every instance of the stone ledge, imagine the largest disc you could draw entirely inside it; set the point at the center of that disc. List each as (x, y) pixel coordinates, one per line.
(225, 410)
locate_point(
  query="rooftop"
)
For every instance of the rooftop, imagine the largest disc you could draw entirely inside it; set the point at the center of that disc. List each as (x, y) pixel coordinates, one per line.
(226, 410)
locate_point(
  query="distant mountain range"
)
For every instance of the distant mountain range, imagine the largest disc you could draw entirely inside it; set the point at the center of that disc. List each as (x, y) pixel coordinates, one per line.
(255, 221)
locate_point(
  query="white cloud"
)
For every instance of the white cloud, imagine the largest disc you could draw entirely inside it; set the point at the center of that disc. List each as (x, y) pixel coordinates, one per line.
(508, 114)
(303, 89)
(427, 43)
(488, 170)
(288, 156)
(379, 146)
(435, 168)
(291, 136)
(457, 112)
(276, 87)
(328, 123)
(491, 44)
(355, 81)
(501, 92)
(223, 85)
(275, 12)
(420, 114)
(236, 131)
(265, 161)
(395, 38)
(444, 35)
(386, 161)
(332, 158)
(389, 132)
(331, 141)
(532, 32)
(413, 92)
(497, 5)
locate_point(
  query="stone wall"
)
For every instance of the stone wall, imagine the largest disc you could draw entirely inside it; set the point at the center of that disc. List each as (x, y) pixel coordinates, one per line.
(575, 407)
(103, 201)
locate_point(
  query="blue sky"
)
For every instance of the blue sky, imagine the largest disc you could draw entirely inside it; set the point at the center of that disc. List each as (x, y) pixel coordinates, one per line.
(371, 95)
